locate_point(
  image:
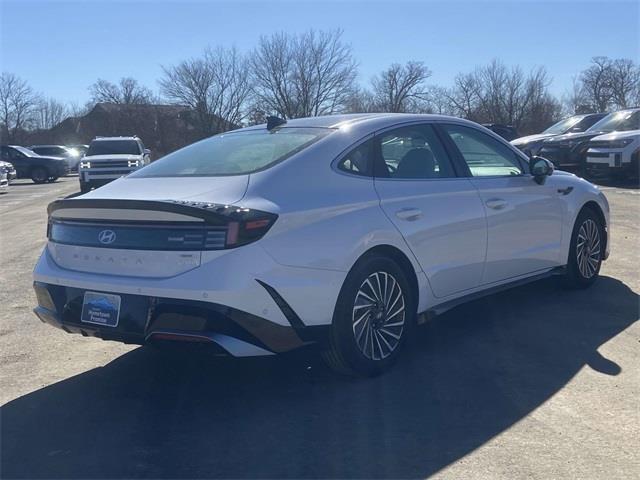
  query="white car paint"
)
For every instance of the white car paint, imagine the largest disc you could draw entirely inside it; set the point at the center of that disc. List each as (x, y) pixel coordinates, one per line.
(467, 235)
(106, 167)
(616, 157)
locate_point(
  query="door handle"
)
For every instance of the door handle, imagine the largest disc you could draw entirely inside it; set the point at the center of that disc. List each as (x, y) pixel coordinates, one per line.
(409, 214)
(496, 203)
(565, 191)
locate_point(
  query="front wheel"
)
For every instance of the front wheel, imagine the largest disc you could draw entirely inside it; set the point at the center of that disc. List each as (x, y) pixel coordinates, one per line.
(373, 315)
(587, 249)
(39, 175)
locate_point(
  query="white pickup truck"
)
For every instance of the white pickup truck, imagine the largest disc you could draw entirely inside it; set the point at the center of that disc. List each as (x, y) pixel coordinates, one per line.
(109, 158)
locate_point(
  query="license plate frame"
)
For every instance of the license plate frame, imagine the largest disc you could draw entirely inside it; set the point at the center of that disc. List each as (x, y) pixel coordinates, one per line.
(101, 309)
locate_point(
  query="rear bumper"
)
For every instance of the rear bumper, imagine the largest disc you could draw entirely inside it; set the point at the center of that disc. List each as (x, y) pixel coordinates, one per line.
(146, 319)
(245, 286)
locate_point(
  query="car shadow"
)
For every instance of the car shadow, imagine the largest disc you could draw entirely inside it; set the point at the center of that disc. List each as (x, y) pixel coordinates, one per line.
(468, 375)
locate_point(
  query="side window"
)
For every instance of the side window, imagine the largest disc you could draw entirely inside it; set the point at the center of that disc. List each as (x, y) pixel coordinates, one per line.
(359, 161)
(414, 152)
(484, 155)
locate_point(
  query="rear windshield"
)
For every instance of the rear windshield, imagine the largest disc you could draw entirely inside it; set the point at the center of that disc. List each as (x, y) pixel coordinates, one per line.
(234, 153)
(114, 147)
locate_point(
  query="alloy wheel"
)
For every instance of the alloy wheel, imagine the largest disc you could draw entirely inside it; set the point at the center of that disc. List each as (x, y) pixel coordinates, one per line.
(588, 248)
(378, 315)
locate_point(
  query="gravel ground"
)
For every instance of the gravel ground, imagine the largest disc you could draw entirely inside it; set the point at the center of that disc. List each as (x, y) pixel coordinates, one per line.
(535, 382)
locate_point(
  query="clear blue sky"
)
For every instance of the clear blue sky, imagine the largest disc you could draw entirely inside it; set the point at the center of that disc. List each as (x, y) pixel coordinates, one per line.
(62, 47)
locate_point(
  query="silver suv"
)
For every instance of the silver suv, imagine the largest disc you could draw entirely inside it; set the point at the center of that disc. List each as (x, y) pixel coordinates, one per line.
(109, 158)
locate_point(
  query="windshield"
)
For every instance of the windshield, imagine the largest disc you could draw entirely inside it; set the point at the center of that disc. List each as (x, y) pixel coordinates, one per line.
(234, 153)
(26, 151)
(618, 122)
(563, 125)
(114, 147)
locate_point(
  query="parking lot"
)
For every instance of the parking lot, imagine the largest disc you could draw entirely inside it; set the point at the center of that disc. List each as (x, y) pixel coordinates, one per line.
(536, 382)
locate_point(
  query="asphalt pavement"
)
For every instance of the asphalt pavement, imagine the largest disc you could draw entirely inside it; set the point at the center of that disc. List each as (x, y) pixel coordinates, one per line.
(537, 382)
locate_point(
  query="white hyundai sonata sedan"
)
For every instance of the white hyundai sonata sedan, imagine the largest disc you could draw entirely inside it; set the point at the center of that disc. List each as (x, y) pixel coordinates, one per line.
(338, 230)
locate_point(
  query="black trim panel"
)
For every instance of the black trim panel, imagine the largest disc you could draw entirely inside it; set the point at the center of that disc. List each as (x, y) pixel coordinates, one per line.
(141, 315)
(212, 213)
(443, 307)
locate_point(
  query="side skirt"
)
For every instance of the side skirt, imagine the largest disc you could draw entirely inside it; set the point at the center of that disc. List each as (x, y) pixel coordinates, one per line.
(444, 307)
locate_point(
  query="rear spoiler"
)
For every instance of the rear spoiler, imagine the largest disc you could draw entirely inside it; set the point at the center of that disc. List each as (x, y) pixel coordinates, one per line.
(181, 210)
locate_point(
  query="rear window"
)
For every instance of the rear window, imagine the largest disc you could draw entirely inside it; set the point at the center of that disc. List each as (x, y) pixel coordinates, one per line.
(235, 153)
(114, 147)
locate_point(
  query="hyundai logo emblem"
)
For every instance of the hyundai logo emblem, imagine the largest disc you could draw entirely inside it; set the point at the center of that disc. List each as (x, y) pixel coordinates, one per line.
(107, 237)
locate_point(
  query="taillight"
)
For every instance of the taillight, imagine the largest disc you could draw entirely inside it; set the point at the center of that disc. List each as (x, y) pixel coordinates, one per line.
(249, 230)
(214, 226)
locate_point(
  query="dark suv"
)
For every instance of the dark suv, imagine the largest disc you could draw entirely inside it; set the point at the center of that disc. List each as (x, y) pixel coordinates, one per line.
(29, 164)
(577, 123)
(568, 151)
(72, 155)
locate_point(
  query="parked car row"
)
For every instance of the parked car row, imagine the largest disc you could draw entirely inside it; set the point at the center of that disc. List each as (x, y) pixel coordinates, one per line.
(28, 164)
(598, 145)
(106, 159)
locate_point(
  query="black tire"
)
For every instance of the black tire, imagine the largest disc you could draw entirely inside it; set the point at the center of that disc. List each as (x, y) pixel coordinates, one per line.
(52, 179)
(586, 250)
(39, 175)
(345, 352)
(85, 187)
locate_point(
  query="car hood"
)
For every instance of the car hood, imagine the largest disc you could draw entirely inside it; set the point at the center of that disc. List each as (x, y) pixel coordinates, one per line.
(6, 164)
(569, 137)
(224, 190)
(618, 135)
(531, 138)
(114, 156)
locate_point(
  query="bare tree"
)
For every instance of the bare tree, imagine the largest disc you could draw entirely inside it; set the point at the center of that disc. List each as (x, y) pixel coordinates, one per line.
(48, 113)
(77, 110)
(360, 100)
(497, 94)
(464, 95)
(127, 91)
(438, 100)
(574, 99)
(305, 75)
(625, 82)
(216, 86)
(401, 88)
(596, 83)
(17, 104)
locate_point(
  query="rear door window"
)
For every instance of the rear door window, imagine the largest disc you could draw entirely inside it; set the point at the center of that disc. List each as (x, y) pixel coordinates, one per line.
(414, 152)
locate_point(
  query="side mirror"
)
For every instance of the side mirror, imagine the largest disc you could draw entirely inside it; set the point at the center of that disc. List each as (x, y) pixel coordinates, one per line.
(147, 151)
(540, 169)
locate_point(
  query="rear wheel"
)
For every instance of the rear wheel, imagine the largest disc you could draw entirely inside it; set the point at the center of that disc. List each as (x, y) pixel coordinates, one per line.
(587, 249)
(85, 187)
(39, 175)
(372, 318)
